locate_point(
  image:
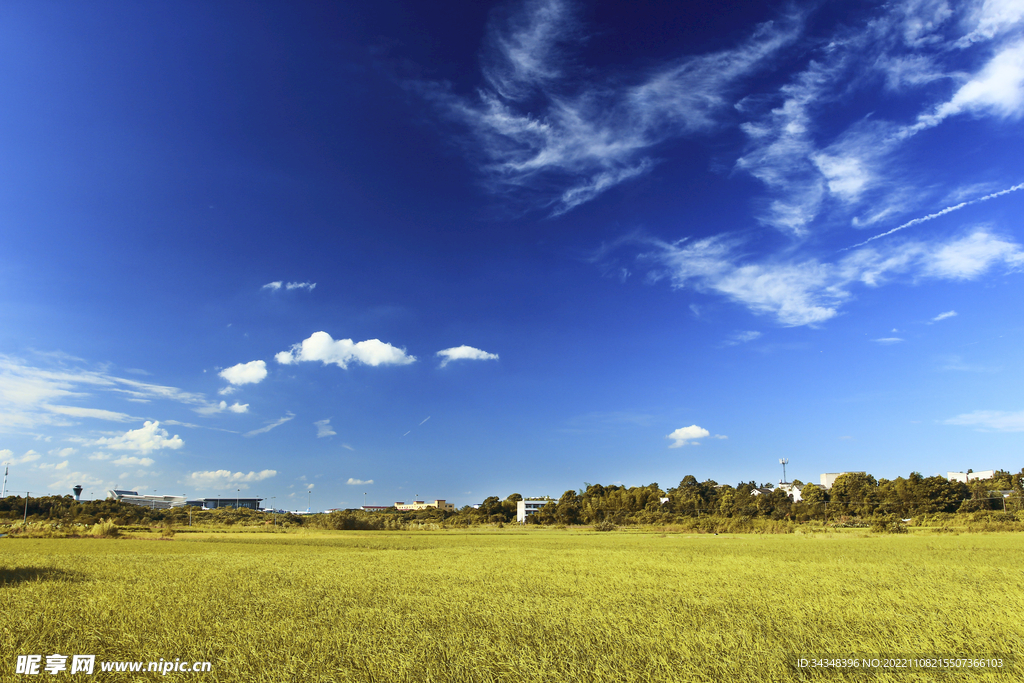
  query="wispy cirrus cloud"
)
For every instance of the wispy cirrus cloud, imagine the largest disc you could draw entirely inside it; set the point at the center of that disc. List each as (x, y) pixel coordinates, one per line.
(562, 137)
(994, 420)
(288, 286)
(273, 425)
(799, 291)
(324, 429)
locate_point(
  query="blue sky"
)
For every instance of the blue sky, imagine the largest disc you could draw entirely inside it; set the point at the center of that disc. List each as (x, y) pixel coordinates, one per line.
(388, 251)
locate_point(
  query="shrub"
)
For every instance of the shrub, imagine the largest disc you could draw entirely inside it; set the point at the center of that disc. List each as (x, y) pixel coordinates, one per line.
(605, 526)
(105, 529)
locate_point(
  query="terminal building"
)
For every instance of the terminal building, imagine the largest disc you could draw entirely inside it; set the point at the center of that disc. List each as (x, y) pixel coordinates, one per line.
(421, 505)
(214, 503)
(154, 502)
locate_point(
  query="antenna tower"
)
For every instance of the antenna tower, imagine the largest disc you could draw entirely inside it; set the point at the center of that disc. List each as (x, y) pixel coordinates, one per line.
(783, 462)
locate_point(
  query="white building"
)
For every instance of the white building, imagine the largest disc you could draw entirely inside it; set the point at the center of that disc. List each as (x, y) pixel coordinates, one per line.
(829, 478)
(965, 477)
(147, 501)
(528, 506)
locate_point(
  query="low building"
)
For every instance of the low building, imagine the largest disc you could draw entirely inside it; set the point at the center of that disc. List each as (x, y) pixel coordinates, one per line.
(374, 508)
(214, 503)
(964, 477)
(421, 505)
(528, 506)
(829, 478)
(154, 501)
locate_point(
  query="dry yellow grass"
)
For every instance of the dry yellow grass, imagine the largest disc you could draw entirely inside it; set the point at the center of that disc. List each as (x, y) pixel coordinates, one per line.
(514, 605)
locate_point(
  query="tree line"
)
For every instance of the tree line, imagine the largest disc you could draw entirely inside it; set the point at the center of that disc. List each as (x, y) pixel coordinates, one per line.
(853, 495)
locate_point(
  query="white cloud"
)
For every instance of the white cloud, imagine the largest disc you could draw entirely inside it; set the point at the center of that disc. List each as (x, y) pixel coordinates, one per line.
(323, 428)
(358, 482)
(63, 452)
(742, 337)
(224, 479)
(345, 445)
(7, 457)
(125, 460)
(214, 408)
(272, 425)
(968, 257)
(685, 436)
(52, 466)
(321, 347)
(75, 411)
(562, 136)
(808, 291)
(252, 372)
(275, 286)
(464, 353)
(87, 481)
(888, 340)
(99, 455)
(997, 420)
(943, 316)
(150, 437)
(998, 89)
(31, 396)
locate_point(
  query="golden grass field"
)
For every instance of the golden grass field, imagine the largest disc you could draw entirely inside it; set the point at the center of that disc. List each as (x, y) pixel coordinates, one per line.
(522, 605)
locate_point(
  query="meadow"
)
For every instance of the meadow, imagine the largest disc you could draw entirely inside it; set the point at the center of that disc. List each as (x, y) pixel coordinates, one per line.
(525, 604)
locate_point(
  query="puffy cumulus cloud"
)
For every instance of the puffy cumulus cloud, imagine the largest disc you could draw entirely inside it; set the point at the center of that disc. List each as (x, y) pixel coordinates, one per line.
(995, 420)
(252, 372)
(223, 479)
(323, 428)
(63, 452)
(53, 466)
(87, 481)
(321, 347)
(358, 482)
(214, 408)
(125, 460)
(7, 457)
(148, 438)
(685, 436)
(464, 353)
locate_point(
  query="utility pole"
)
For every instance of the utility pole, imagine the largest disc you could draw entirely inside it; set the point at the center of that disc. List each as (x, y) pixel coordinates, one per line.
(6, 468)
(25, 521)
(309, 496)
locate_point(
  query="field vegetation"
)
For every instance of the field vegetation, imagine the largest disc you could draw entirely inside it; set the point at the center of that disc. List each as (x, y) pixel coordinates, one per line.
(523, 604)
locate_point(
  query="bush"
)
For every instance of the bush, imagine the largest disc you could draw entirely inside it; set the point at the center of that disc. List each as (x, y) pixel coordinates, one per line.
(605, 526)
(105, 529)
